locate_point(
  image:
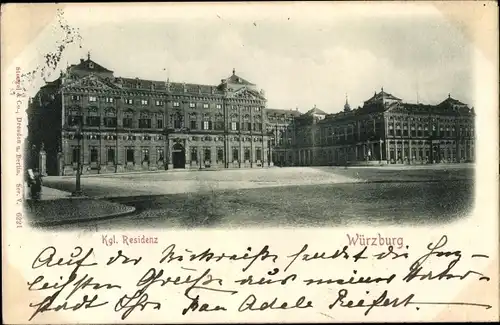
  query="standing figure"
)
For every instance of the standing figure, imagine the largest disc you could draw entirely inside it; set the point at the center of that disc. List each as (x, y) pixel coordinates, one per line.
(35, 184)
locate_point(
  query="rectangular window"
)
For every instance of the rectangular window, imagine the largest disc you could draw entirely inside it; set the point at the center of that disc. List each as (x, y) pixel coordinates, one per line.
(220, 154)
(207, 154)
(76, 154)
(130, 155)
(111, 155)
(233, 126)
(92, 99)
(257, 109)
(193, 125)
(159, 123)
(159, 154)
(75, 97)
(110, 121)
(93, 120)
(129, 101)
(192, 105)
(109, 99)
(74, 120)
(158, 103)
(194, 154)
(205, 105)
(205, 125)
(235, 154)
(127, 122)
(176, 104)
(247, 154)
(93, 155)
(218, 106)
(258, 154)
(249, 126)
(145, 155)
(144, 101)
(177, 122)
(145, 123)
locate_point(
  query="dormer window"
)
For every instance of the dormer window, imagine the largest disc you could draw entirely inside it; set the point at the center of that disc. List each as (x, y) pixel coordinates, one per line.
(91, 65)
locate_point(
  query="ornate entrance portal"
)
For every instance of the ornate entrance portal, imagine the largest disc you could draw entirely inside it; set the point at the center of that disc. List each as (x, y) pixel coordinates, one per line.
(178, 156)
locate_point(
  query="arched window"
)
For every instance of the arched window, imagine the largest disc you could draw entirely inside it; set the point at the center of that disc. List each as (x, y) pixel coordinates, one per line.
(110, 117)
(159, 120)
(145, 120)
(128, 118)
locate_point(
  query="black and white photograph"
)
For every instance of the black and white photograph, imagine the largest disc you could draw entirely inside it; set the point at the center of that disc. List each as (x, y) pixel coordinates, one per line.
(247, 162)
(272, 123)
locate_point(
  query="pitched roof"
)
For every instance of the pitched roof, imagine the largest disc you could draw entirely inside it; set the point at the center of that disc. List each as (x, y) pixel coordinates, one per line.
(279, 111)
(452, 101)
(145, 84)
(90, 65)
(316, 111)
(234, 79)
(384, 95)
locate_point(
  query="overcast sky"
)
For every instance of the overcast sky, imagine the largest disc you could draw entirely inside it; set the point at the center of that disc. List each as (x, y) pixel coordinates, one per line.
(300, 55)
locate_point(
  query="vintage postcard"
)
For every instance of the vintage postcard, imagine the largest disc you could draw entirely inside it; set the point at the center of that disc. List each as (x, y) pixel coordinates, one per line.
(250, 162)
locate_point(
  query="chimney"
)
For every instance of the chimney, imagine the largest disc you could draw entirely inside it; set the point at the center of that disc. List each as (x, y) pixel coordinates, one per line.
(81, 61)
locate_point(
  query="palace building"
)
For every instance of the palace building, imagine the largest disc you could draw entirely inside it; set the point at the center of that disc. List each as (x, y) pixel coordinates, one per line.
(111, 124)
(280, 127)
(385, 130)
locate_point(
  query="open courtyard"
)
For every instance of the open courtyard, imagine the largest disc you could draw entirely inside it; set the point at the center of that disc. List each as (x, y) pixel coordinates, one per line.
(282, 197)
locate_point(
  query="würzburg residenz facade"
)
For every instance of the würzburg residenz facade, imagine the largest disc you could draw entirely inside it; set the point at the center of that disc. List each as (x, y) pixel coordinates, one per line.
(110, 124)
(115, 124)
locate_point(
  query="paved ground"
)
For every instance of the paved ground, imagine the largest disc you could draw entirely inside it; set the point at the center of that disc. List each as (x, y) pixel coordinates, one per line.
(57, 207)
(324, 196)
(161, 183)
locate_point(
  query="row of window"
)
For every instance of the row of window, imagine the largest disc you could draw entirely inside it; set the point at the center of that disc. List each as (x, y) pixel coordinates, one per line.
(145, 156)
(130, 101)
(218, 125)
(207, 154)
(434, 132)
(127, 122)
(111, 157)
(419, 154)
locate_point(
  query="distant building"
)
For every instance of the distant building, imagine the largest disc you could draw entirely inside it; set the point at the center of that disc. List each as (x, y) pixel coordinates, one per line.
(386, 131)
(280, 127)
(114, 124)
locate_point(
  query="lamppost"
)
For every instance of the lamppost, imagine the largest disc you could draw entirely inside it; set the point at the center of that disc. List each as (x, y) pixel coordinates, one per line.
(78, 134)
